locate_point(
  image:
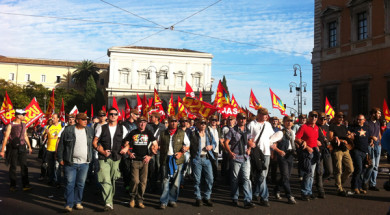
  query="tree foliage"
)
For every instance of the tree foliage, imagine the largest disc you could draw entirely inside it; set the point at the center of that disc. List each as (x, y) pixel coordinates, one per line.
(224, 84)
(83, 70)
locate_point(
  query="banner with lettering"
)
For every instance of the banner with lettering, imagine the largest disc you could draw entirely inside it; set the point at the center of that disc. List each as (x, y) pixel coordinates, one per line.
(33, 112)
(199, 108)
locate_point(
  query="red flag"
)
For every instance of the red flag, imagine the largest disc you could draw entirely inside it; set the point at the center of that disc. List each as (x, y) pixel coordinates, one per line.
(328, 108)
(123, 114)
(189, 91)
(200, 95)
(115, 105)
(158, 105)
(221, 96)
(127, 110)
(74, 110)
(171, 107)
(139, 104)
(7, 112)
(104, 108)
(386, 112)
(229, 110)
(86, 112)
(253, 103)
(50, 108)
(62, 111)
(144, 104)
(91, 111)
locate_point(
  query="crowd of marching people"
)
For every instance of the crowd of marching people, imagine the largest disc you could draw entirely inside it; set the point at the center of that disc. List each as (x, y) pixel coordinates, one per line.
(155, 155)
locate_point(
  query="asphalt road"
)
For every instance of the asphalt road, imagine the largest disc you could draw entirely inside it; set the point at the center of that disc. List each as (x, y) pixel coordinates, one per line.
(43, 199)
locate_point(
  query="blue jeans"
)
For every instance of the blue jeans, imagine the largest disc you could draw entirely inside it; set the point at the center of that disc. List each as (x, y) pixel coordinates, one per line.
(358, 158)
(371, 173)
(242, 170)
(202, 166)
(75, 176)
(171, 186)
(307, 182)
(261, 181)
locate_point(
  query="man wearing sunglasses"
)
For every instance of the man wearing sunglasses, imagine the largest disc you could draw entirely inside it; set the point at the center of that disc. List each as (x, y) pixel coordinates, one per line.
(338, 134)
(215, 130)
(74, 153)
(307, 141)
(108, 142)
(17, 150)
(225, 165)
(174, 143)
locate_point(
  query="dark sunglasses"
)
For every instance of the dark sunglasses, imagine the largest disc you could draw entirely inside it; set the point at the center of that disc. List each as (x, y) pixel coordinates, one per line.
(360, 119)
(113, 114)
(183, 120)
(322, 118)
(173, 120)
(101, 115)
(314, 115)
(203, 123)
(290, 120)
(214, 120)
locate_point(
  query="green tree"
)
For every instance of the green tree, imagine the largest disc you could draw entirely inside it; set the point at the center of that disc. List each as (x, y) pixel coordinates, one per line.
(83, 70)
(224, 84)
(90, 91)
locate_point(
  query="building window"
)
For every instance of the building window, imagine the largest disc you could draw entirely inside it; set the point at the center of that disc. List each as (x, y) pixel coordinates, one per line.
(43, 78)
(125, 78)
(179, 80)
(360, 99)
(58, 79)
(11, 76)
(143, 79)
(27, 77)
(102, 81)
(197, 81)
(362, 26)
(332, 29)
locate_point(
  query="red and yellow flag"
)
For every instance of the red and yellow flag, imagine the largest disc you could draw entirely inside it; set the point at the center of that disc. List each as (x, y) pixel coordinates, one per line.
(386, 112)
(328, 108)
(50, 108)
(62, 111)
(234, 103)
(7, 112)
(200, 95)
(33, 112)
(199, 108)
(127, 110)
(171, 107)
(221, 97)
(253, 103)
(158, 105)
(277, 103)
(139, 104)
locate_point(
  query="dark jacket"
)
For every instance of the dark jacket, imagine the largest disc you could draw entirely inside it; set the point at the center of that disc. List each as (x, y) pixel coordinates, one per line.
(195, 146)
(67, 142)
(178, 142)
(105, 142)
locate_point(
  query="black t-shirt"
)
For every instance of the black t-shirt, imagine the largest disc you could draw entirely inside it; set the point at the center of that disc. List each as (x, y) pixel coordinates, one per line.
(361, 140)
(340, 132)
(139, 141)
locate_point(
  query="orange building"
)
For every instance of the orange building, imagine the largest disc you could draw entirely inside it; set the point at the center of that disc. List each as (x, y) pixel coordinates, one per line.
(351, 55)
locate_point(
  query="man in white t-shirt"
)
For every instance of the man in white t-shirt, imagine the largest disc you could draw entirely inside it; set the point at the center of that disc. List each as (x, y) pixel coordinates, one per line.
(262, 127)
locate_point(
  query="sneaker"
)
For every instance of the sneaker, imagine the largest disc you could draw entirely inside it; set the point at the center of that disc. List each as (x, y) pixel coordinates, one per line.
(277, 196)
(172, 204)
(108, 207)
(305, 198)
(248, 205)
(12, 189)
(356, 191)
(208, 202)
(162, 207)
(374, 188)
(264, 203)
(68, 209)
(198, 203)
(291, 200)
(255, 198)
(313, 197)
(141, 205)
(27, 187)
(79, 207)
(132, 203)
(235, 203)
(365, 186)
(362, 191)
(342, 193)
(321, 195)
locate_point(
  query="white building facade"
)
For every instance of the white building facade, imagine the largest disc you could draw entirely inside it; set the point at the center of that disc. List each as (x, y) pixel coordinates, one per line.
(137, 69)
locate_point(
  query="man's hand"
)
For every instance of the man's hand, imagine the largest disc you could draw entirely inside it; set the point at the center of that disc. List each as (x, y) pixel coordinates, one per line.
(319, 143)
(178, 155)
(209, 147)
(107, 153)
(61, 163)
(154, 148)
(2, 154)
(281, 153)
(124, 150)
(30, 151)
(131, 155)
(310, 150)
(248, 151)
(147, 159)
(337, 141)
(251, 144)
(232, 155)
(372, 144)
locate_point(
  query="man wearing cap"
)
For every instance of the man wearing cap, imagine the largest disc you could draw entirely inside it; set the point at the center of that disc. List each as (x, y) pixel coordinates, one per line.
(338, 134)
(307, 141)
(155, 127)
(143, 143)
(201, 150)
(301, 121)
(108, 142)
(186, 170)
(238, 143)
(74, 153)
(225, 165)
(130, 122)
(173, 143)
(52, 132)
(285, 150)
(261, 131)
(17, 150)
(216, 132)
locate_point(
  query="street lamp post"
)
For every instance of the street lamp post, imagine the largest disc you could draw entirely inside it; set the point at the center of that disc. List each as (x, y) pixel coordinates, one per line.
(44, 98)
(298, 88)
(163, 71)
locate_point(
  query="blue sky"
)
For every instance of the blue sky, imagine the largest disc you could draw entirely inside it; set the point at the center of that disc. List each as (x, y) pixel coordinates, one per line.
(276, 34)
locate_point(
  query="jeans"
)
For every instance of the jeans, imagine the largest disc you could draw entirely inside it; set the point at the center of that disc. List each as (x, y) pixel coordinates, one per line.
(327, 165)
(18, 157)
(75, 176)
(358, 158)
(261, 188)
(372, 173)
(285, 166)
(318, 176)
(186, 167)
(51, 166)
(344, 167)
(171, 186)
(307, 182)
(202, 167)
(243, 171)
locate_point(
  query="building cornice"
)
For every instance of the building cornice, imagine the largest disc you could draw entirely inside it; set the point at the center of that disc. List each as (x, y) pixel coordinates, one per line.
(158, 51)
